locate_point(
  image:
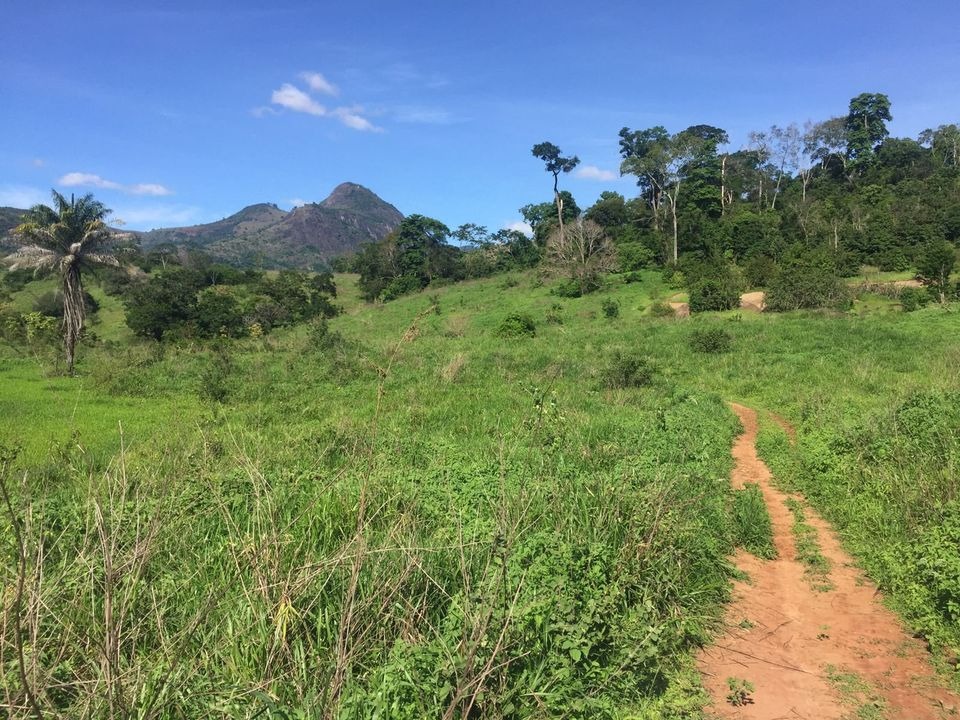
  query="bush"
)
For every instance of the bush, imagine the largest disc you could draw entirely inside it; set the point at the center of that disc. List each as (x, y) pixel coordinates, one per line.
(555, 314)
(611, 308)
(216, 375)
(713, 294)
(627, 370)
(632, 256)
(517, 325)
(567, 289)
(914, 298)
(807, 280)
(759, 270)
(632, 277)
(217, 314)
(712, 340)
(661, 309)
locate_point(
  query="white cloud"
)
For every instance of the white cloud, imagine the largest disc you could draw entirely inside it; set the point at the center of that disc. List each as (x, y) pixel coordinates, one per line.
(298, 202)
(592, 172)
(148, 189)
(297, 100)
(22, 196)
(81, 179)
(38, 162)
(351, 118)
(293, 98)
(318, 83)
(262, 111)
(520, 226)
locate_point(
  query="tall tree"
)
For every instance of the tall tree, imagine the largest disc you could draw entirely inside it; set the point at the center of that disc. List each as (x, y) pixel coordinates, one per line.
(68, 238)
(826, 143)
(642, 155)
(945, 143)
(556, 164)
(866, 126)
(785, 146)
(665, 161)
(407, 259)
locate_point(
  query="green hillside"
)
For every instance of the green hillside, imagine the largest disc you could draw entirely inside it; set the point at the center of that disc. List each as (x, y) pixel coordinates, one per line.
(419, 505)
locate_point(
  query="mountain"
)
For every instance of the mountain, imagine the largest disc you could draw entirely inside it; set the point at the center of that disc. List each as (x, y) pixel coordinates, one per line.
(9, 219)
(307, 236)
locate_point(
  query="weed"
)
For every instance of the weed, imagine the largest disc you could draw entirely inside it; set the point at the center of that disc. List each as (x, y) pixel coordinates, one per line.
(740, 691)
(752, 528)
(856, 692)
(555, 314)
(626, 370)
(711, 340)
(808, 548)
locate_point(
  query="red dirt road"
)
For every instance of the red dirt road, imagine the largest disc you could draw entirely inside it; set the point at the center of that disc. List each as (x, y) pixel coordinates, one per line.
(811, 653)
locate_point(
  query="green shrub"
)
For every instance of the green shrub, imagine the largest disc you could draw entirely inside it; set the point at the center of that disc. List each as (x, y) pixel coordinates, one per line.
(517, 325)
(627, 370)
(217, 374)
(759, 270)
(632, 256)
(807, 280)
(713, 294)
(661, 309)
(555, 314)
(567, 289)
(633, 277)
(611, 308)
(711, 340)
(914, 298)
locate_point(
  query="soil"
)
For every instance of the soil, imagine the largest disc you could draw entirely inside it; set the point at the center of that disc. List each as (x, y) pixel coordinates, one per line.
(807, 651)
(680, 309)
(753, 301)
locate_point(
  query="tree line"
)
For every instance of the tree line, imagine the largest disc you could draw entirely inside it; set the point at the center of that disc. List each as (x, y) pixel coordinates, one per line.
(824, 199)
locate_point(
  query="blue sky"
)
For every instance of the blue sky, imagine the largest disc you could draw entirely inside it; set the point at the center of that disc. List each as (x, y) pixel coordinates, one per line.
(183, 112)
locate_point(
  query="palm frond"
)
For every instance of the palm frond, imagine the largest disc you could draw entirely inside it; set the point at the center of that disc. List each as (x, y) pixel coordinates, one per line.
(41, 215)
(34, 234)
(34, 257)
(100, 259)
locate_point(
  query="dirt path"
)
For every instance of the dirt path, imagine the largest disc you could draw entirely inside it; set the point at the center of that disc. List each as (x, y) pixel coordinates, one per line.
(810, 652)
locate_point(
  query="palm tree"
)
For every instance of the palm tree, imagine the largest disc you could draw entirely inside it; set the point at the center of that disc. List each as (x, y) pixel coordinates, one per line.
(67, 238)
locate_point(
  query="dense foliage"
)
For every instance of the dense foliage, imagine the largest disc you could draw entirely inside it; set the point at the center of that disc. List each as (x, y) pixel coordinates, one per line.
(181, 303)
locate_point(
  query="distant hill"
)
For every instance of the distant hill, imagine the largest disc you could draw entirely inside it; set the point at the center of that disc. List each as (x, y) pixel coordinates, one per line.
(264, 235)
(9, 219)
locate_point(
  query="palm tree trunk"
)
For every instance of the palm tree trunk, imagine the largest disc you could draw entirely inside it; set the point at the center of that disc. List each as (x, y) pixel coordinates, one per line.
(72, 312)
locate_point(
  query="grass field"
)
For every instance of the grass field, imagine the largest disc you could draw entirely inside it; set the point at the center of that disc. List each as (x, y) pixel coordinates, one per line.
(412, 515)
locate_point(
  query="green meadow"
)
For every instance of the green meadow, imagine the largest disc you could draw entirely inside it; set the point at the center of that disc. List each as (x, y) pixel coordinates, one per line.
(416, 510)
(409, 512)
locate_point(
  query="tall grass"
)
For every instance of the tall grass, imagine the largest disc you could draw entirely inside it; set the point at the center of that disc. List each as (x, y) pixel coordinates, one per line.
(412, 517)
